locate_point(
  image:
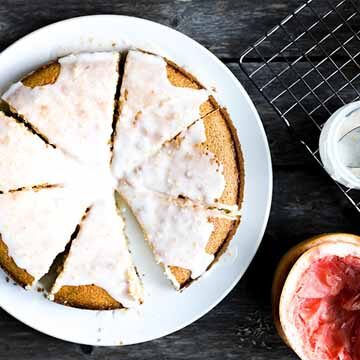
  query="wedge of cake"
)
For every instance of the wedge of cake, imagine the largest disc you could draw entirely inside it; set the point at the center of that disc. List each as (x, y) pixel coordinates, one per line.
(98, 272)
(35, 226)
(157, 102)
(27, 161)
(71, 103)
(184, 236)
(201, 164)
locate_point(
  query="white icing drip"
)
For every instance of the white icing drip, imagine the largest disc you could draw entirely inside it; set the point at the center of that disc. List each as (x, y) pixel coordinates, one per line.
(178, 231)
(36, 226)
(181, 167)
(152, 110)
(26, 160)
(76, 112)
(99, 256)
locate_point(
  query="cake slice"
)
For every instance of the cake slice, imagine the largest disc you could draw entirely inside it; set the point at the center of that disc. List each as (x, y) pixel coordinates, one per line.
(157, 102)
(71, 103)
(27, 161)
(201, 164)
(35, 226)
(184, 236)
(98, 272)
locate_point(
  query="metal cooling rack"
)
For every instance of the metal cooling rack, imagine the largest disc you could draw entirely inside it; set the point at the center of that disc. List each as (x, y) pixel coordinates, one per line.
(309, 68)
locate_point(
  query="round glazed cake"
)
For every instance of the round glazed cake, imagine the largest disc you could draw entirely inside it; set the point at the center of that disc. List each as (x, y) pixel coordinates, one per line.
(88, 127)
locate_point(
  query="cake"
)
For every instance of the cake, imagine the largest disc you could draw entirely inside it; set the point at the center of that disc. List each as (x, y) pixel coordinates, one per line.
(178, 231)
(35, 226)
(71, 103)
(81, 128)
(152, 109)
(64, 114)
(27, 160)
(90, 262)
(206, 165)
(201, 163)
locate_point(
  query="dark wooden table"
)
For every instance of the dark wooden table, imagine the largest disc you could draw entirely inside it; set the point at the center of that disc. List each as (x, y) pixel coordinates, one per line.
(305, 201)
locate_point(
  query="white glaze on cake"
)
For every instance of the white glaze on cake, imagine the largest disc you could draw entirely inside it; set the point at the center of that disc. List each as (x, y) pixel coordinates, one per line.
(37, 225)
(76, 112)
(177, 230)
(182, 167)
(153, 110)
(26, 160)
(99, 256)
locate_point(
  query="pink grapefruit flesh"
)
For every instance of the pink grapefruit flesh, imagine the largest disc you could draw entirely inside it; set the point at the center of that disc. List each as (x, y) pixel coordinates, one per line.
(326, 308)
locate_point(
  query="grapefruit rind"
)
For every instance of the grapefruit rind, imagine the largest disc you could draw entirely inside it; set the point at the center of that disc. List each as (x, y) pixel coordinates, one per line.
(289, 272)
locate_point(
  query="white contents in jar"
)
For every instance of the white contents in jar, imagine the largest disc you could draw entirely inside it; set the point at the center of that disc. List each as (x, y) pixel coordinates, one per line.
(349, 143)
(339, 145)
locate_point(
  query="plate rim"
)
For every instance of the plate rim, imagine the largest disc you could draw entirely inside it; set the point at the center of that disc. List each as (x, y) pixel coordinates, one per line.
(268, 200)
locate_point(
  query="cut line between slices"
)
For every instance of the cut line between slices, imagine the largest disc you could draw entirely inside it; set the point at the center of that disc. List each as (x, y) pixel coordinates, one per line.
(11, 112)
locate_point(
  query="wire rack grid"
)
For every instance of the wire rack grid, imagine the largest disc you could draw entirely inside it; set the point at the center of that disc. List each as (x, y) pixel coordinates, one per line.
(309, 68)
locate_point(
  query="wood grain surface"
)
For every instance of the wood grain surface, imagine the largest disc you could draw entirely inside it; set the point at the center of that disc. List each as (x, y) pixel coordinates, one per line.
(305, 200)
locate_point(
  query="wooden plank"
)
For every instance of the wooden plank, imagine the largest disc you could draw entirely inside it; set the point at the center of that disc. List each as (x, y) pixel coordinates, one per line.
(305, 202)
(226, 27)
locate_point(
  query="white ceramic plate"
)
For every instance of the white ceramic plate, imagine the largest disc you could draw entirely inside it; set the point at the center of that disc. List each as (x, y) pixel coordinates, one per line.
(164, 310)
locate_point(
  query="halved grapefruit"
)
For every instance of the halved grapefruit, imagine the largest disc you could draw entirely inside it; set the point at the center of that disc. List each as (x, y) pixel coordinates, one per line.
(316, 298)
